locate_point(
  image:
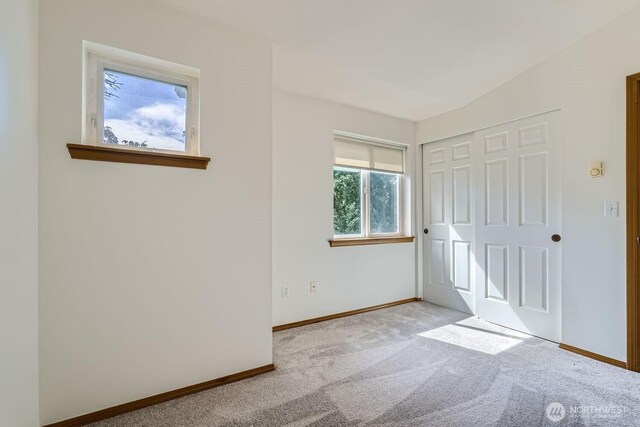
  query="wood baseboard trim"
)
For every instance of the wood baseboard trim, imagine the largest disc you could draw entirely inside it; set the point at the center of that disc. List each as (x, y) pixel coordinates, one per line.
(160, 398)
(343, 314)
(595, 356)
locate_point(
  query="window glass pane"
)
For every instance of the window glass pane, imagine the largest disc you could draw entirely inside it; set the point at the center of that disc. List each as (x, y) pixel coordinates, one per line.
(383, 196)
(143, 112)
(347, 203)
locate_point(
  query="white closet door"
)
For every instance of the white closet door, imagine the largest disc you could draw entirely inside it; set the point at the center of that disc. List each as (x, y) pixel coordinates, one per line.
(449, 223)
(517, 215)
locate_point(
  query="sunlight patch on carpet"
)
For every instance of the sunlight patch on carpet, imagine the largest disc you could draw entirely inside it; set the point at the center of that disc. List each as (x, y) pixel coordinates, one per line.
(473, 339)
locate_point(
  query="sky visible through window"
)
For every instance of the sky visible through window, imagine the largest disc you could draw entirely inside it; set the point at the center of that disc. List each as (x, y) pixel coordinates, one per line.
(142, 112)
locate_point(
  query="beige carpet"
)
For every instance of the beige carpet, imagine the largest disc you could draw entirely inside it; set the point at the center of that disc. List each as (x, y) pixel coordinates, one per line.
(412, 365)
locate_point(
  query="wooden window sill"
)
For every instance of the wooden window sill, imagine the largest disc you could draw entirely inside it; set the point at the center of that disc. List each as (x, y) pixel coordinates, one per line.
(362, 241)
(107, 154)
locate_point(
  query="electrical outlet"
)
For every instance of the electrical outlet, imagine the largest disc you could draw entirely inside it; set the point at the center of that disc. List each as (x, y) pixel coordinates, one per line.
(285, 292)
(313, 286)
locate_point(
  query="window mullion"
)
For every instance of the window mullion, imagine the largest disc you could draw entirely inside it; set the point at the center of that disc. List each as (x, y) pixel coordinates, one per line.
(367, 201)
(399, 207)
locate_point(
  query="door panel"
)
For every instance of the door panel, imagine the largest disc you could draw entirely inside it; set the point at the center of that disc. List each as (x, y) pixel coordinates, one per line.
(438, 263)
(462, 195)
(462, 265)
(533, 278)
(496, 192)
(496, 143)
(533, 189)
(461, 151)
(497, 269)
(532, 135)
(437, 197)
(436, 156)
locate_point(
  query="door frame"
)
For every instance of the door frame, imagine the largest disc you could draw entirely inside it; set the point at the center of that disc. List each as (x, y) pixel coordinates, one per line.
(633, 223)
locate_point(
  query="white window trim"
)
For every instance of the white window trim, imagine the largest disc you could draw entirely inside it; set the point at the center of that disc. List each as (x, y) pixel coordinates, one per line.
(365, 206)
(97, 58)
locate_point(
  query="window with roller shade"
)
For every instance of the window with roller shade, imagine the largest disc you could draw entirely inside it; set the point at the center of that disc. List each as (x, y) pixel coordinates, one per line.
(367, 187)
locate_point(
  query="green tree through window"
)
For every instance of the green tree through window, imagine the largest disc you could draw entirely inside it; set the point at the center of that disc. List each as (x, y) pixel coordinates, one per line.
(347, 205)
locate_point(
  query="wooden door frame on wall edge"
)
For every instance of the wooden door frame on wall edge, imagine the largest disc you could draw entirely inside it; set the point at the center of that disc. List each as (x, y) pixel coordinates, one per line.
(633, 223)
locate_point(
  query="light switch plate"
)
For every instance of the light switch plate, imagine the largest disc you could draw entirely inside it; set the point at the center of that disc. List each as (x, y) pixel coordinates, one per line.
(611, 209)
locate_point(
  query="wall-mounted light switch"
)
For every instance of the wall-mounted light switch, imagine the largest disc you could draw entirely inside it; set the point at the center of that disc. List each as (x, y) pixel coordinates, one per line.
(611, 209)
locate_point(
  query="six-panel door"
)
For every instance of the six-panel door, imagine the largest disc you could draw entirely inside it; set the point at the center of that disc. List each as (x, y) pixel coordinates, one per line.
(518, 212)
(449, 219)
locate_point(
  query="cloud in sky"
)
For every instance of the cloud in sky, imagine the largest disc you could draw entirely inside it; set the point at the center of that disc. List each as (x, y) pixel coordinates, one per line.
(161, 120)
(160, 125)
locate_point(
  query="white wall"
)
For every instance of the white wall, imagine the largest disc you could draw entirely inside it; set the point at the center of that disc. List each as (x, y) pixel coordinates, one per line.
(152, 278)
(350, 277)
(587, 81)
(18, 213)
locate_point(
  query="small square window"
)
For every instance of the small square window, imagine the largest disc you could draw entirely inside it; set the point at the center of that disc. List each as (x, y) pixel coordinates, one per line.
(135, 103)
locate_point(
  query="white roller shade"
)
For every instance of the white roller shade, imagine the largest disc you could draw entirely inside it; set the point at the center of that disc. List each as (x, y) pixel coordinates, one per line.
(354, 153)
